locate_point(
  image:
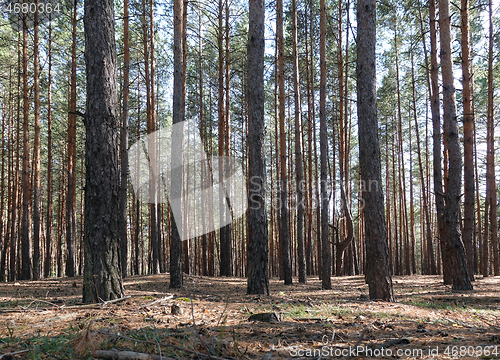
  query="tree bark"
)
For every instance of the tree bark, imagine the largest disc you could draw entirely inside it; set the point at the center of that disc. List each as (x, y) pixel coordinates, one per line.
(377, 254)
(491, 188)
(25, 221)
(428, 233)
(36, 154)
(326, 266)
(452, 235)
(299, 166)
(468, 120)
(102, 274)
(71, 197)
(48, 226)
(176, 275)
(258, 250)
(284, 256)
(124, 143)
(437, 138)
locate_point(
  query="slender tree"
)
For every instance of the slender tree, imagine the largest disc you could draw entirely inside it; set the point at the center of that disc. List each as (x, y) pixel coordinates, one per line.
(299, 171)
(284, 241)
(491, 188)
(71, 197)
(326, 266)
(25, 221)
(377, 253)
(468, 120)
(433, 85)
(452, 234)
(36, 153)
(48, 219)
(124, 142)
(176, 276)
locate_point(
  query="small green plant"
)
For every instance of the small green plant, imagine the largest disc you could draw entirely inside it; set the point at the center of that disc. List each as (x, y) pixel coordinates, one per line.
(184, 299)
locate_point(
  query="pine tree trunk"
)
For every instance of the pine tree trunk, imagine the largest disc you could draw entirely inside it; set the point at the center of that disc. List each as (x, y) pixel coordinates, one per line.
(5, 239)
(228, 233)
(452, 236)
(309, 244)
(468, 119)
(48, 227)
(491, 188)
(176, 276)
(284, 255)
(428, 233)
(325, 241)
(25, 221)
(36, 155)
(102, 273)
(299, 170)
(377, 254)
(205, 172)
(258, 250)
(71, 196)
(124, 143)
(436, 138)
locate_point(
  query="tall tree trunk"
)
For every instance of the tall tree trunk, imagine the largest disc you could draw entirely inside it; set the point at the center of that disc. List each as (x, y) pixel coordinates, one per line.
(228, 231)
(491, 187)
(428, 232)
(285, 266)
(151, 127)
(124, 143)
(412, 201)
(309, 245)
(102, 274)
(48, 226)
(205, 170)
(25, 222)
(176, 276)
(299, 170)
(325, 241)
(6, 112)
(158, 263)
(468, 119)
(220, 112)
(377, 255)
(71, 197)
(258, 250)
(452, 235)
(433, 85)
(36, 155)
(479, 239)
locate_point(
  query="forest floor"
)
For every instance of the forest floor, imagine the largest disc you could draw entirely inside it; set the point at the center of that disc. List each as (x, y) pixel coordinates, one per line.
(210, 319)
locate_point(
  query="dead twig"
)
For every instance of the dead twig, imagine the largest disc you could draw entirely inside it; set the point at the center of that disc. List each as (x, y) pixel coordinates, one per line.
(6, 356)
(154, 326)
(42, 301)
(196, 333)
(237, 348)
(360, 339)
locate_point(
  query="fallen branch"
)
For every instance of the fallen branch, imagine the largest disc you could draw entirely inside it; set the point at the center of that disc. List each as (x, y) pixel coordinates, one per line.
(159, 300)
(128, 355)
(104, 303)
(9, 355)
